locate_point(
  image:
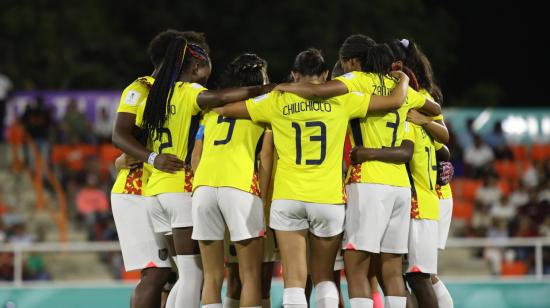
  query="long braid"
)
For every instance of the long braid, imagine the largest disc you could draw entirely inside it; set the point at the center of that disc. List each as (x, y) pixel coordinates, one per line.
(157, 106)
(245, 70)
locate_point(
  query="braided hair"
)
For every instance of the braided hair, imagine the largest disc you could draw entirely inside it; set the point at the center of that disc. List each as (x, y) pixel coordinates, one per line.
(245, 70)
(182, 51)
(412, 57)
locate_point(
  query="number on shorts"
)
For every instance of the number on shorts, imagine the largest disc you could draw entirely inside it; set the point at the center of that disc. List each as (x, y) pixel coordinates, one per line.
(394, 126)
(231, 122)
(320, 138)
(168, 143)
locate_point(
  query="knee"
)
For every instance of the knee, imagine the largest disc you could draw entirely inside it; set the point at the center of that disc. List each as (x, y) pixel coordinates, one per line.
(155, 276)
(418, 279)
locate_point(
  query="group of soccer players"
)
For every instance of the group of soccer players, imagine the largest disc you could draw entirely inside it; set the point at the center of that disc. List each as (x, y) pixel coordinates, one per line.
(231, 178)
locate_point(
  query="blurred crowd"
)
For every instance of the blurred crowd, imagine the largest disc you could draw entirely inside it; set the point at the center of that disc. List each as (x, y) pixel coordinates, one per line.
(500, 191)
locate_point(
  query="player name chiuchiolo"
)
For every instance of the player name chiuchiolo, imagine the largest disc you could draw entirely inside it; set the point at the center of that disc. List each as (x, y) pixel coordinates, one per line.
(297, 107)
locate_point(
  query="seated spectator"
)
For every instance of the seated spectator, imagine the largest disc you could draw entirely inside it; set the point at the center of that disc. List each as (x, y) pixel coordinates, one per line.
(544, 229)
(35, 269)
(39, 124)
(103, 127)
(498, 231)
(489, 193)
(544, 193)
(497, 141)
(525, 228)
(478, 158)
(91, 202)
(481, 220)
(503, 209)
(6, 266)
(520, 196)
(531, 176)
(74, 124)
(19, 235)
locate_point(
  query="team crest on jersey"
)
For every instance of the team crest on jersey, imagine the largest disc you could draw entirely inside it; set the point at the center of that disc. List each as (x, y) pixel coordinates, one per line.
(132, 97)
(196, 85)
(348, 75)
(133, 181)
(258, 99)
(163, 254)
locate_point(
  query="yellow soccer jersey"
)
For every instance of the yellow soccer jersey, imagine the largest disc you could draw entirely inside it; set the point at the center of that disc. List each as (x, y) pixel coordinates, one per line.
(422, 171)
(309, 139)
(379, 129)
(230, 152)
(443, 192)
(178, 138)
(133, 181)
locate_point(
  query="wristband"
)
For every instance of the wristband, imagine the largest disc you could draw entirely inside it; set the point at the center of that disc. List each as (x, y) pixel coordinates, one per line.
(151, 159)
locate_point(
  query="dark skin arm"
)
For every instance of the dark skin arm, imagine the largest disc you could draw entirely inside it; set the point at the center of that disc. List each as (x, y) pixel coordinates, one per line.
(436, 129)
(234, 110)
(216, 98)
(443, 154)
(266, 164)
(400, 154)
(196, 155)
(314, 91)
(430, 108)
(125, 140)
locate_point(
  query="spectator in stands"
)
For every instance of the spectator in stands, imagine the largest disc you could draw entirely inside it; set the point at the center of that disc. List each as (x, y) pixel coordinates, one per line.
(520, 196)
(74, 124)
(497, 141)
(38, 123)
(34, 268)
(503, 209)
(6, 266)
(103, 127)
(19, 235)
(92, 203)
(498, 231)
(544, 192)
(544, 229)
(481, 221)
(525, 227)
(489, 193)
(478, 158)
(532, 175)
(466, 139)
(6, 88)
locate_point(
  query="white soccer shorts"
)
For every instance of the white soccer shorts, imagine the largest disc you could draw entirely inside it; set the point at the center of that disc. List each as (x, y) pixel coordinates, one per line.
(323, 220)
(169, 211)
(141, 247)
(377, 218)
(423, 242)
(445, 216)
(216, 207)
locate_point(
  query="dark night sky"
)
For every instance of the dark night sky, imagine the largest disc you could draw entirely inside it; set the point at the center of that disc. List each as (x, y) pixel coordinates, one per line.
(507, 44)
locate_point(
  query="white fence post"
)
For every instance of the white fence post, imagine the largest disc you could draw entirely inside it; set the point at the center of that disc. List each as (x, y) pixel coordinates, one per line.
(18, 266)
(538, 260)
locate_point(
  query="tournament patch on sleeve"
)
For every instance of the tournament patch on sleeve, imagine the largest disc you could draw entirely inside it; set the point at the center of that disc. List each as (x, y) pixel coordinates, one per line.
(132, 97)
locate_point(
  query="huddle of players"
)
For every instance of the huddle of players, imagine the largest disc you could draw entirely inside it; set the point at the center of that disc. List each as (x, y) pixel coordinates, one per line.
(198, 162)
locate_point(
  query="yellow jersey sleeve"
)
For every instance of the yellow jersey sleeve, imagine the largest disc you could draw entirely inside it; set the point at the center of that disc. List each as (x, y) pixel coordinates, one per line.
(261, 107)
(414, 99)
(353, 81)
(135, 94)
(423, 172)
(409, 132)
(356, 104)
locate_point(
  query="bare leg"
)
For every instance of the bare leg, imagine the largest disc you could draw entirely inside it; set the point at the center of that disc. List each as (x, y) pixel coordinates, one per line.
(213, 264)
(249, 253)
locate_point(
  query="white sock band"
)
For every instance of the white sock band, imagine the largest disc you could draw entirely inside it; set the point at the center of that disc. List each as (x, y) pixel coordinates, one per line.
(395, 302)
(327, 294)
(294, 297)
(361, 302)
(218, 305)
(231, 303)
(444, 299)
(190, 273)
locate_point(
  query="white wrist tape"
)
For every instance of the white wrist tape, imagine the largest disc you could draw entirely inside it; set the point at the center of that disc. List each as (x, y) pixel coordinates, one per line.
(151, 159)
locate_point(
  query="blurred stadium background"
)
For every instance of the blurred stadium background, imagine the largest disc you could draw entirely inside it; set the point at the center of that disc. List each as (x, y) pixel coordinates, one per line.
(63, 65)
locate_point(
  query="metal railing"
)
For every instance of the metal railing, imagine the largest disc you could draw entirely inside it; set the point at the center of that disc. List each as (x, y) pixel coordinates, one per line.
(19, 249)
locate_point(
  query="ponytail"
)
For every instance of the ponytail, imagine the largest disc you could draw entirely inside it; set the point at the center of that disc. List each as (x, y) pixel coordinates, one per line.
(157, 106)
